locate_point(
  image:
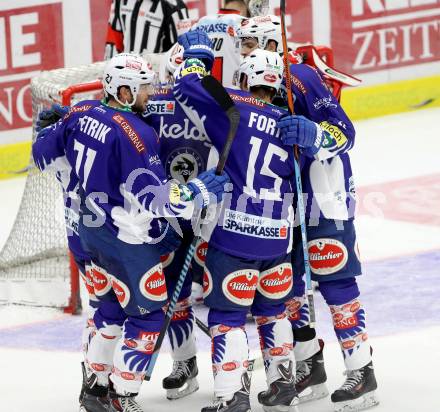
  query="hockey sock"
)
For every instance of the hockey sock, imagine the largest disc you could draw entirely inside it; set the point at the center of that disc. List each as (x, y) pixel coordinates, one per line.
(229, 359)
(348, 315)
(133, 351)
(108, 320)
(181, 331)
(276, 340)
(306, 342)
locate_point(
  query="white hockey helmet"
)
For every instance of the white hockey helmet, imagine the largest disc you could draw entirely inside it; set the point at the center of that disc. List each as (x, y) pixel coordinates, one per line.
(263, 68)
(127, 69)
(170, 61)
(264, 29)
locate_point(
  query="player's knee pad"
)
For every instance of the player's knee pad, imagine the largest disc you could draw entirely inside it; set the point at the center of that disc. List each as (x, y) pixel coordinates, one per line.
(338, 292)
(276, 342)
(228, 318)
(298, 311)
(229, 358)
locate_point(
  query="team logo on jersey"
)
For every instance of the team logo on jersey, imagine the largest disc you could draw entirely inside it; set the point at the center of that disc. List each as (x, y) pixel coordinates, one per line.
(101, 280)
(184, 164)
(207, 283)
(152, 284)
(240, 286)
(277, 282)
(122, 291)
(160, 107)
(167, 259)
(201, 251)
(327, 256)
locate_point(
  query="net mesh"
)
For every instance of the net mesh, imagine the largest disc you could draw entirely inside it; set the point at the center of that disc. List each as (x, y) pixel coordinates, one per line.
(34, 262)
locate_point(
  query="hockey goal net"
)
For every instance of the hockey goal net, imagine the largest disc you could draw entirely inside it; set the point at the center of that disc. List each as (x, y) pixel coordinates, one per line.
(36, 267)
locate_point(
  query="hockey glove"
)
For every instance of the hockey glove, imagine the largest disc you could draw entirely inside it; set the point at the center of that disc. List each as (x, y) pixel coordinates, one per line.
(297, 130)
(170, 242)
(197, 44)
(208, 188)
(50, 116)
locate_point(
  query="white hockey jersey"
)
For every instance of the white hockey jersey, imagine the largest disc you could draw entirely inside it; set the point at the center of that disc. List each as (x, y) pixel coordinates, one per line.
(222, 30)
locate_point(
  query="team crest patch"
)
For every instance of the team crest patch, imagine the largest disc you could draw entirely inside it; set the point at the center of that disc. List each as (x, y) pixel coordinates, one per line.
(122, 292)
(327, 256)
(184, 164)
(152, 284)
(277, 282)
(240, 286)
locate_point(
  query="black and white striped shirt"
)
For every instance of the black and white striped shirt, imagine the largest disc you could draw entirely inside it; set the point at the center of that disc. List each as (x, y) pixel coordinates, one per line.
(139, 26)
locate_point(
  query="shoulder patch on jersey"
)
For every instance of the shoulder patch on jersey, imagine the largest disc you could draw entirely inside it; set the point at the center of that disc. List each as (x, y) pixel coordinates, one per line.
(77, 109)
(129, 131)
(333, 135)
(247, 99)
(298, 84)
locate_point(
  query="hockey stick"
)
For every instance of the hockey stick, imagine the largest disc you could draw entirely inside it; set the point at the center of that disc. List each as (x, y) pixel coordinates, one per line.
(309, 53)
(220, 95)
(299, 189)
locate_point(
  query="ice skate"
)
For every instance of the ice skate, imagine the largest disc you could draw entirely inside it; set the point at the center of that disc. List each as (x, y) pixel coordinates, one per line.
(357, 392)
(281, 395)
(182, 381)
(126, 403)
(311, 377)
(238, 403)
(93, 398)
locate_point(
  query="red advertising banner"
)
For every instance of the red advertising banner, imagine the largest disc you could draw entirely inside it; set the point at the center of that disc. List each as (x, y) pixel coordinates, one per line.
(368, 37)
(373, 35)
(23, 53)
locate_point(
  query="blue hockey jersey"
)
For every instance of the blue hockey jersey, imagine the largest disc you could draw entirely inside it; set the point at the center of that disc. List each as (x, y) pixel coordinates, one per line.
(327, 179)
(255, 220)
(115, 156)
(184, 149)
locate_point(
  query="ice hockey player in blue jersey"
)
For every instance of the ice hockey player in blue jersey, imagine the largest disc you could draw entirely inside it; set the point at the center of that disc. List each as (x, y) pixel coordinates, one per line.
(70, 185)
(325, 134)
(124, 197)
(248, 261)
(184, 151)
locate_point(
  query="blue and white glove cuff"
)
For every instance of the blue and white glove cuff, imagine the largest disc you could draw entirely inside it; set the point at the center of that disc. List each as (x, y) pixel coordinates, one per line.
(203, 191)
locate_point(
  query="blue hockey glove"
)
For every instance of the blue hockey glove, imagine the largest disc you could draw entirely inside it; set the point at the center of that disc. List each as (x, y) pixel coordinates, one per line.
(208, 187)
(50, 116)
(197, 44)
(297, 130)
(170, 242)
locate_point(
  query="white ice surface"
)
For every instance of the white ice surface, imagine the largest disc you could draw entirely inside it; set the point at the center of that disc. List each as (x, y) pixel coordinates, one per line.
(407, 365)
